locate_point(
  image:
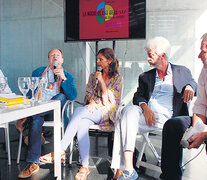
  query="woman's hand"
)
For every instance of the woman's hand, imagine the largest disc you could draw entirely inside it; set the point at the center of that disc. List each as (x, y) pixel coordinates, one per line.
(91, 106)
(98, 75)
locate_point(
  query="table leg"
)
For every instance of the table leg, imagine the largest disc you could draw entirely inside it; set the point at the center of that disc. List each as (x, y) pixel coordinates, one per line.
(57, 142)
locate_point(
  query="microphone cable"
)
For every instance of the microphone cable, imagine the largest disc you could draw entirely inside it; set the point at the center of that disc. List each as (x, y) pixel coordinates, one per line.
(195, 156)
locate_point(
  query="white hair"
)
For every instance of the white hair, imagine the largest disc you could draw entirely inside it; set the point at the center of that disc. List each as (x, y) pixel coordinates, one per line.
(204, 37)
(160, 45)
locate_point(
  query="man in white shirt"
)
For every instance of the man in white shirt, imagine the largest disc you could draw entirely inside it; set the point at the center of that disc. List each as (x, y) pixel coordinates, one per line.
(161, 94)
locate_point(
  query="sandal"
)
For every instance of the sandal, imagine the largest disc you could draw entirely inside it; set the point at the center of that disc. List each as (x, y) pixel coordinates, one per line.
(49, 158)
(82, 174)
(118, 173)
(19, 124)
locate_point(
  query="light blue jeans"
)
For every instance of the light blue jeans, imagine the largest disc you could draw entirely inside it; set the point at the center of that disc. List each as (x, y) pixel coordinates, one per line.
(79, 123)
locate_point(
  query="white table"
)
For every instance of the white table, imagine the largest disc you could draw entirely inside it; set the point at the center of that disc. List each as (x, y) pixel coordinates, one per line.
(12, 113)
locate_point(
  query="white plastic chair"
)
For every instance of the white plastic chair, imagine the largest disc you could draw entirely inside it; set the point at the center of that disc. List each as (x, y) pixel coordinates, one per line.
(67, 106)
(6, 128)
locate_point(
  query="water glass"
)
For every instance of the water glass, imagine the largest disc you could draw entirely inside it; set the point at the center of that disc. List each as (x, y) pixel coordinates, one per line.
(24, 86)
(3, 83)
(33, 86)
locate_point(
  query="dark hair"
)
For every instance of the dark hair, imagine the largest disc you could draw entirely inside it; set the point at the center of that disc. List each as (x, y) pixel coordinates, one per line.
(109, 53)
(53, 49)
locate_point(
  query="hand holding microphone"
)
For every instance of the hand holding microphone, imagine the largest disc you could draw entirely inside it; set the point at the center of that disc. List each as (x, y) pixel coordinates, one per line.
(54, 67)
(99, 69)
(58, 71)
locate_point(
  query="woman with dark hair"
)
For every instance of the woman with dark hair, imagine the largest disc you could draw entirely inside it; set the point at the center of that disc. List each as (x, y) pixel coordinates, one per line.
(102, 98)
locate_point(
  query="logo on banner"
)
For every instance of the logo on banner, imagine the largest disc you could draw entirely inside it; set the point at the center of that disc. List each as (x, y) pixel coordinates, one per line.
(104, 12)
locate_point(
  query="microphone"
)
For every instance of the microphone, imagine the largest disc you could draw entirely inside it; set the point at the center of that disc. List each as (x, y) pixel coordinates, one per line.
(99, 69)
(54, 67)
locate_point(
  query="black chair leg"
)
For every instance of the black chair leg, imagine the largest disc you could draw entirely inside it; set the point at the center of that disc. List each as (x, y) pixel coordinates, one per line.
(110, 143)
(96, 144)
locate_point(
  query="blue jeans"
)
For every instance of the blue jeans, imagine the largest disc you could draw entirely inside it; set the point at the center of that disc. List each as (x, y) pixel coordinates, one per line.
(35, 130)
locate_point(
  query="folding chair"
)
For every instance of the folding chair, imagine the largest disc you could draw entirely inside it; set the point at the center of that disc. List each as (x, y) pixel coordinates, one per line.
(147, 141)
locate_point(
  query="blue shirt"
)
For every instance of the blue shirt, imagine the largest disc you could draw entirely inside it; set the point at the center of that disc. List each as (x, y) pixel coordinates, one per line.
(51, 89)
(68, 87)
(161, 101)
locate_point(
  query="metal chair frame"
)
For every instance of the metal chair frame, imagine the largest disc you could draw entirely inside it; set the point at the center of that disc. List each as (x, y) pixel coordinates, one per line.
(146, 141)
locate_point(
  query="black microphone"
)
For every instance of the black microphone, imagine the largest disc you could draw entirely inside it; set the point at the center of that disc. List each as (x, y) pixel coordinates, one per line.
(54, 67)
(99, 69)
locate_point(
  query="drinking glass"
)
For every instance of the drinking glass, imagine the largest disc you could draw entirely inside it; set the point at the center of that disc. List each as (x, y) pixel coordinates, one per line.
(43, 82)
(3, 83)
(24, 86)
(33, 86)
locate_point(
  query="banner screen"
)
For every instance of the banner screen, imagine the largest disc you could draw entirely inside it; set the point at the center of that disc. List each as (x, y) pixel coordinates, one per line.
(104, 20)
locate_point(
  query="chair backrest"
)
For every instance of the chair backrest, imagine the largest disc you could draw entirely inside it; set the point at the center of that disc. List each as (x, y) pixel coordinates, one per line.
(68, 106)
(65, 107)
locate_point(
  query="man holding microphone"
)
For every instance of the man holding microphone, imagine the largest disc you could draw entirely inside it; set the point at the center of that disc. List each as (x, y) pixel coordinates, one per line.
(61, 86)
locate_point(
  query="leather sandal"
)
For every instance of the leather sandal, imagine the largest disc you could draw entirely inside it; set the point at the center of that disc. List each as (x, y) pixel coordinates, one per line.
(19, 124)
(49, 158)
(118, 173)
(82, 173)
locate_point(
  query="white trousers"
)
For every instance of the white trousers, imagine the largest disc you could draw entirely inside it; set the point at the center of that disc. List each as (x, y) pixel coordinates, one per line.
(131, 123)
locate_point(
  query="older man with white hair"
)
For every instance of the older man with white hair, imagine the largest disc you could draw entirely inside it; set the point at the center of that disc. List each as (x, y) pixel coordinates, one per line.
(162, 93)
(174, 128)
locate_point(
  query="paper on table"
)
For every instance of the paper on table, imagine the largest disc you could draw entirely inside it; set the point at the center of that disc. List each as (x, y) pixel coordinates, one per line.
(10, 99)
(10, 95)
